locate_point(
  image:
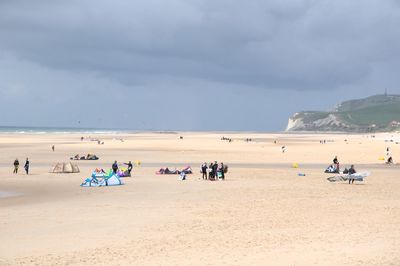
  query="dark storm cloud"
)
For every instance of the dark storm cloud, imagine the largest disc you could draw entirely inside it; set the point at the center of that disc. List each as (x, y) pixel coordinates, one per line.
(165, 49)
(293, 44)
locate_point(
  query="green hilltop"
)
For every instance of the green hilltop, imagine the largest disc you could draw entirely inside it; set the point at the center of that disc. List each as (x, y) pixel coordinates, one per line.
(379, 113)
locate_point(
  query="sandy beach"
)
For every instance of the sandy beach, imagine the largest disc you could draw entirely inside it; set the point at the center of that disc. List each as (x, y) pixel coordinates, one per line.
(264, 213)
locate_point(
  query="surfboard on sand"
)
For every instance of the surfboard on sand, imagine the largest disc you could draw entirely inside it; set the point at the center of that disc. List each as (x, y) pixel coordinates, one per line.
(357, 177)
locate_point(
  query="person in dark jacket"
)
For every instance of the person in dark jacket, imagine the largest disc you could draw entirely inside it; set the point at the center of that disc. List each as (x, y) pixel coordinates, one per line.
(351, 171)
(211, 175)
(215, 170)
(130, 166)
(26, 166)
(222, 171)
(115, 167)
(204, 169)
(16, 166)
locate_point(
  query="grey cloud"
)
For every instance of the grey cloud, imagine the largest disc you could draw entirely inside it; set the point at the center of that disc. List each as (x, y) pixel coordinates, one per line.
(302, 44)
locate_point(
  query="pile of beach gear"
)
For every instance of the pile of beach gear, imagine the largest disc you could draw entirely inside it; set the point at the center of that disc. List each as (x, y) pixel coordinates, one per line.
(89, 157)
(100, 178)
(166, 171)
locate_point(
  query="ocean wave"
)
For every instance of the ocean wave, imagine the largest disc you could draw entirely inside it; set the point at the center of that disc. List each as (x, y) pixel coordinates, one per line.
(55, 130)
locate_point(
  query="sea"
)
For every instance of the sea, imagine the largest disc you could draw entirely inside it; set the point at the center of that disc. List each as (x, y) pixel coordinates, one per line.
(61, 130)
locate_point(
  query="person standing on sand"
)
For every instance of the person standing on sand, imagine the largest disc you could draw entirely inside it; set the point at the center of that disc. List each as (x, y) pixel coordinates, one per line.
(336, 163)
(211, 170)
(115, 167)
(16, 165)
(222, 171)
(215, 170)
(52, 147)
(351, 171)
(26, 166)
(130, 166)
(204, 171)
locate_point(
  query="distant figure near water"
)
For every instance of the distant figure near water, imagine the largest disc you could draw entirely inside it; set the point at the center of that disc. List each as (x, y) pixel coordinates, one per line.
(52, 147)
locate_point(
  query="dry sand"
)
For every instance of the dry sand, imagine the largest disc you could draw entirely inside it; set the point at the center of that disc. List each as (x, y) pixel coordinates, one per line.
(263, 214)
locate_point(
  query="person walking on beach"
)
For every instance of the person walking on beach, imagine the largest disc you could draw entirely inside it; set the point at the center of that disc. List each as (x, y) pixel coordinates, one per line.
(52, 147)
(351, 171)
(16, 165)
(26, 166)
(115, 167)
(204, 168)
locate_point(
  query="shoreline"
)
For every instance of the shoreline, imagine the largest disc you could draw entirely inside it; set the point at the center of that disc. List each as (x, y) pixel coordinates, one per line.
(23, 130)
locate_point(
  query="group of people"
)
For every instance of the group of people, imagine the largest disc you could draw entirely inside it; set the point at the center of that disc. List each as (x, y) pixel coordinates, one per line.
(213, 171)
(115, 167)
(227, 139)
(16, 166)
(26, 166)
(89, 156)
(350, 171)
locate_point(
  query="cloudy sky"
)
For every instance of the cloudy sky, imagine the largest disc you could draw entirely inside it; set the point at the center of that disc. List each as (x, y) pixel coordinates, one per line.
(191, 64)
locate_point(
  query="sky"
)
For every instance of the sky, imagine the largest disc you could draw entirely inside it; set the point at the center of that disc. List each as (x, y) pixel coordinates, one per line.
(191, 64)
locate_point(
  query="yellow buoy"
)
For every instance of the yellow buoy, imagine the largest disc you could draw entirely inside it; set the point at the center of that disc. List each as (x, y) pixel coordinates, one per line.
(295, 165)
